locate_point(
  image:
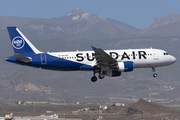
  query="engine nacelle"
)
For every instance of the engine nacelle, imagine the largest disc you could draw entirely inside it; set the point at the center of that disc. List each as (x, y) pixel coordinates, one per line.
(126, 66)
(113, 73)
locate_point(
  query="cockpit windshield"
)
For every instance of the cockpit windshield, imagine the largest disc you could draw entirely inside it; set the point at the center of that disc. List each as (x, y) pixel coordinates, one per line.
(166, 53)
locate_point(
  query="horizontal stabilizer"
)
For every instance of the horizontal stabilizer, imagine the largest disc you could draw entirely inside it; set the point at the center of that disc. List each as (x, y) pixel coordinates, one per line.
(22, 58)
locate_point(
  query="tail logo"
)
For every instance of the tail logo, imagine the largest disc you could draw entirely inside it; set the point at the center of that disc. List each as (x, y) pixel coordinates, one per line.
(18, 42)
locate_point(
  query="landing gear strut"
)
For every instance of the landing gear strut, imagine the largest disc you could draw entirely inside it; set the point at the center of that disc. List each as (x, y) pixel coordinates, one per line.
(155, 74)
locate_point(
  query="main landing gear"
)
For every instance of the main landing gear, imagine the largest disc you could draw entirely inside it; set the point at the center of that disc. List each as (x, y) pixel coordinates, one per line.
(155, 74)
(100, 76)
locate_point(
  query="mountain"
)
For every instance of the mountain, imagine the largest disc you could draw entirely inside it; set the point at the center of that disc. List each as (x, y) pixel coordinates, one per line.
(79, 25)
(168, 25)
(79, 15)
(74, 25)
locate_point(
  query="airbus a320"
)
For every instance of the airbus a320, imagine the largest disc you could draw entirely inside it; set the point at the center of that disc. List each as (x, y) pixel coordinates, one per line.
(104, 62)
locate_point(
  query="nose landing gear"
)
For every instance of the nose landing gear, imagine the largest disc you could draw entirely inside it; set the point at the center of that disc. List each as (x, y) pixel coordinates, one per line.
(155, 74)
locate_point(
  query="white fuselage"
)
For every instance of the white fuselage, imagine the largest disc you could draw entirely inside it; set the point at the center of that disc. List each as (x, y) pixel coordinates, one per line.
(142, 58)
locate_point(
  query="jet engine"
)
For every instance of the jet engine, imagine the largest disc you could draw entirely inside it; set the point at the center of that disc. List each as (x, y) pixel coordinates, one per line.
(113, 73)
(126, 66)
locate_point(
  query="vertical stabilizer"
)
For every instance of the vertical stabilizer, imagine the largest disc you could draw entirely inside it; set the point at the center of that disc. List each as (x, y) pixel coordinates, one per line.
(20, 43)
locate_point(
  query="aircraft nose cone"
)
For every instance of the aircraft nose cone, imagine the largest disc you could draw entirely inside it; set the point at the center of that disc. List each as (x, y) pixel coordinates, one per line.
(173, 59)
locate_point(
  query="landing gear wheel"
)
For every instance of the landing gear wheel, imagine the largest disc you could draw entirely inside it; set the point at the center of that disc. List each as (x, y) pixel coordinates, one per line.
(155, 75)
(94, 79)
(101, 76)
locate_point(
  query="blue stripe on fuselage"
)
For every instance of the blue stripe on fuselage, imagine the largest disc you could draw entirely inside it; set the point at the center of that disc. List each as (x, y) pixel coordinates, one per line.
(50, 62)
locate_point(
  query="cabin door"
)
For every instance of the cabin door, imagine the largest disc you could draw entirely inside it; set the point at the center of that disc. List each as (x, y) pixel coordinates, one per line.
(155, 54)
(43, 59)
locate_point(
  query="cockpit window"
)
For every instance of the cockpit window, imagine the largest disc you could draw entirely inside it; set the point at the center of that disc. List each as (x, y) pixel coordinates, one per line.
(165, 53)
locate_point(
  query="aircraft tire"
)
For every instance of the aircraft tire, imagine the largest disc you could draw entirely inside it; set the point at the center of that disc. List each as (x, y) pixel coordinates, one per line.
(94, 79)
(155, 75)
(101, 76)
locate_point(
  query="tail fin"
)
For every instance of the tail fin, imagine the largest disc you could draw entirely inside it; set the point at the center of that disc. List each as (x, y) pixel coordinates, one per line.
(20, 43)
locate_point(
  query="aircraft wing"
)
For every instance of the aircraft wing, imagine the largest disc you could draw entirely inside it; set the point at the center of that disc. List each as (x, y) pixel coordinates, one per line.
(103, 59)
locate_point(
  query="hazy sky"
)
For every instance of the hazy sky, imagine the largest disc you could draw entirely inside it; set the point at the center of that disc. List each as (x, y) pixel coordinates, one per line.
(137, 13)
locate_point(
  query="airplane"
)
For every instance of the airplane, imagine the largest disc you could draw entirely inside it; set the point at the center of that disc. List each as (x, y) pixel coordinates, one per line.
(104, 62)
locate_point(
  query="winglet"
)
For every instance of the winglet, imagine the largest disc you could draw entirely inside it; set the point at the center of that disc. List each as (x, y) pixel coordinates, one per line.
(93, 48)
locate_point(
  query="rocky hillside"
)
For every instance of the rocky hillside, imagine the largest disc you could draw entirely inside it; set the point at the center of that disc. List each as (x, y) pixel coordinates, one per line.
(141, 110)
(168, 25)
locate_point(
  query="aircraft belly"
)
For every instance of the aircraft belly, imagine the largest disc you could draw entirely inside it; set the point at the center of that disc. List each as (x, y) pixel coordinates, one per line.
(149, 64)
